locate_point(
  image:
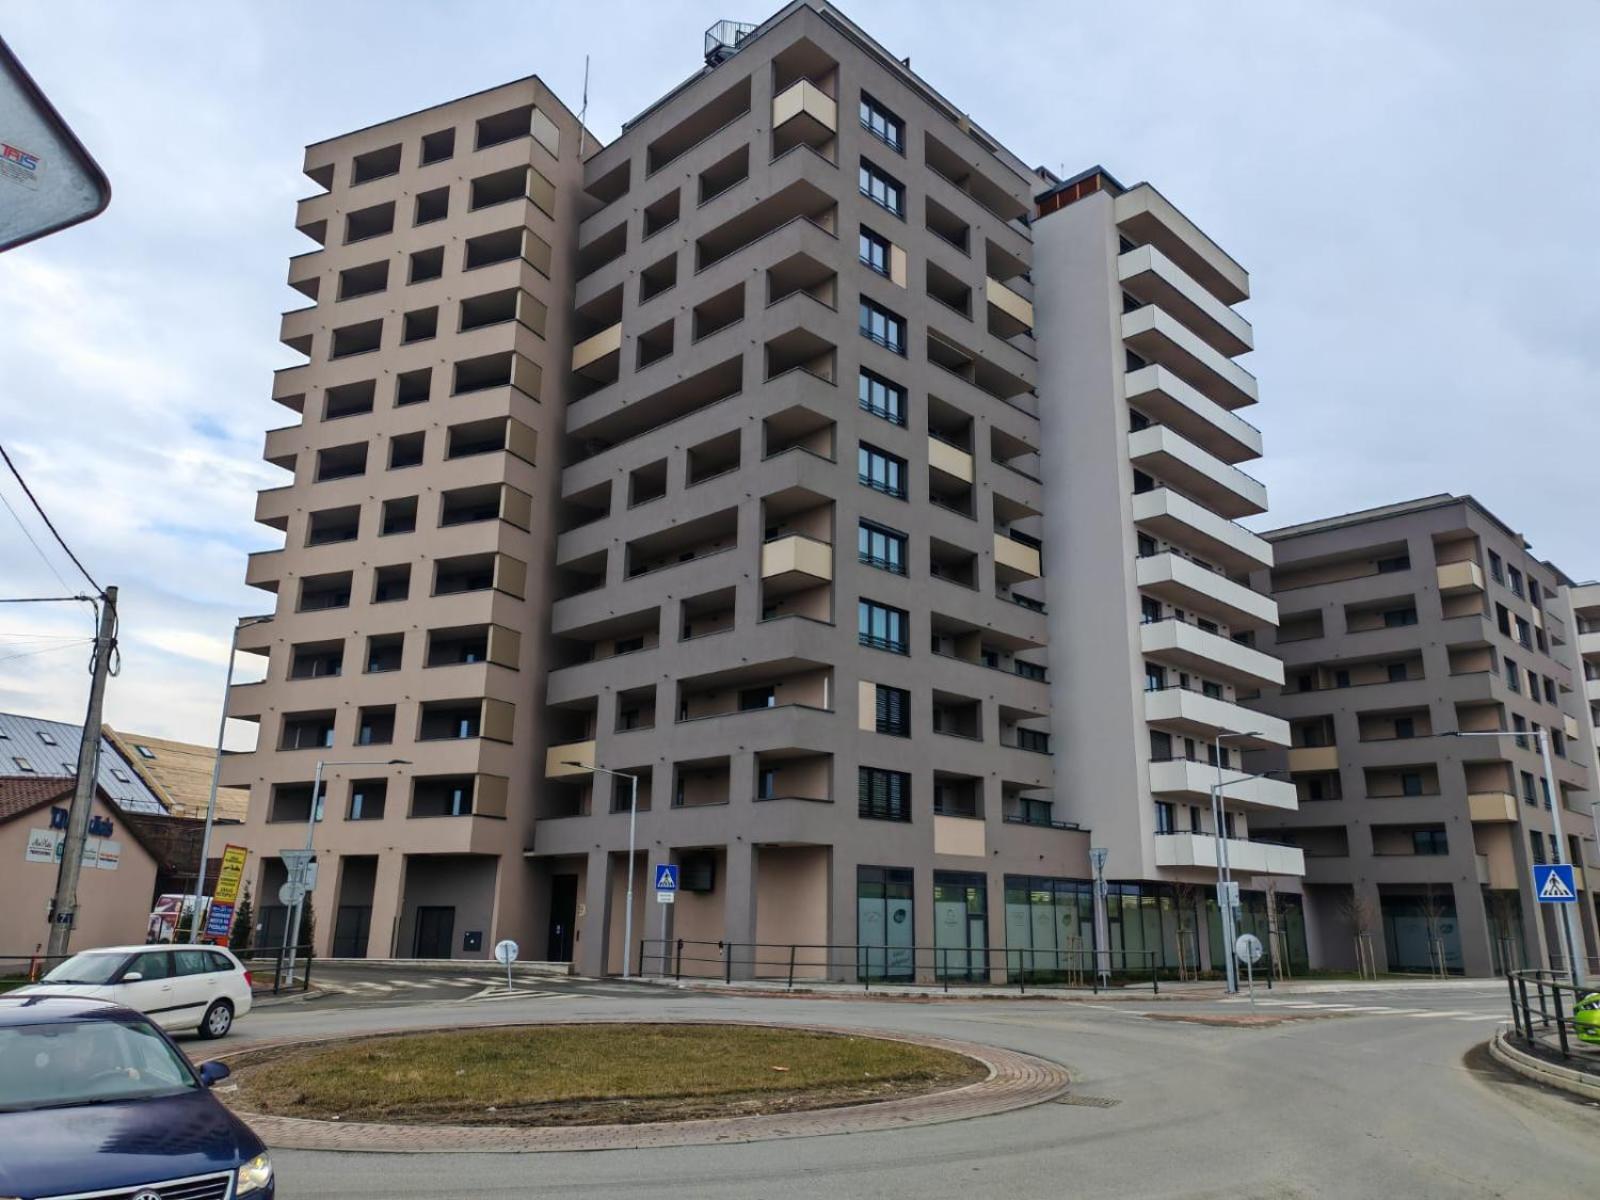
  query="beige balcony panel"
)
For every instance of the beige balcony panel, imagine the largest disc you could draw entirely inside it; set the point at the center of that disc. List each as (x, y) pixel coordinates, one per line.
(1569, 725)
(1244, 858)
(797, 555)
(1018, 308)
(558, 760)
(1192, 781)
(1186, 584)
(1492, 806)
(1578, 879)
(959, 835)
(866, 705)
(1196, 528)
(1458, 577)
(1189, 647)
(498, 721)
(510, 576)
(264, 569)
(1538, 618)
(1589, 644)
(592, 349)
(505, 646)
(516, 506)
(805, 101)
(1591, 689)
(1222, 488)
(1195, 714)
(942, 456)
(522, 440)
(897, 265)
(1151, 276)
(1013, 556)
(490, 796)
(1313, 759)
(1169, 401)
(1159, 337)
(1148, 216)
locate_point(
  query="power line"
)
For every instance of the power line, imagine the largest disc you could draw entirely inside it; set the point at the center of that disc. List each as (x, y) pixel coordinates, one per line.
(25, 533)
(38, 508)
(43, 599)
(47, 650)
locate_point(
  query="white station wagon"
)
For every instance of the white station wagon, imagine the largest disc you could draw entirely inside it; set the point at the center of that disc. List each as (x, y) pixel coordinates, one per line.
(203, 988)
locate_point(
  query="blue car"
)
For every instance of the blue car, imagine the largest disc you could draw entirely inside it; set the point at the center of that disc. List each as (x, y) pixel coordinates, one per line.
(97, 1101)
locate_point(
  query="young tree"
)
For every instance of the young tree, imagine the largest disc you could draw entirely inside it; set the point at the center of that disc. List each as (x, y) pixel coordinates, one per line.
(243, 924)
(1356, 912)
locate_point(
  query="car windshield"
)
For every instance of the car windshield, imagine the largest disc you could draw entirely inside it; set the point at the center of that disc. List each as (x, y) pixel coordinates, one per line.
(87, 1062)
(88, 967)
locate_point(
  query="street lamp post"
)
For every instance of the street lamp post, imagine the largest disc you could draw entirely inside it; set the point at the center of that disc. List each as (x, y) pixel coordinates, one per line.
(311, 830)
(216, 773)
(1224, 873)
(633, 818)
(1558, 849)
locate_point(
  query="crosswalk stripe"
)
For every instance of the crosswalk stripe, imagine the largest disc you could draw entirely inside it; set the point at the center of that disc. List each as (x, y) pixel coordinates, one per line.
(1454, 1012)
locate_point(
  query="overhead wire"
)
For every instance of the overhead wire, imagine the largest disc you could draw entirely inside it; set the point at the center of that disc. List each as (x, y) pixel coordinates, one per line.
(48, 524)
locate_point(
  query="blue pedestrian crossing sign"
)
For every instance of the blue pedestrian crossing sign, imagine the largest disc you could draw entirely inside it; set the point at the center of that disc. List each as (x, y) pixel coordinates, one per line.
(1553, 884)
(666, 877)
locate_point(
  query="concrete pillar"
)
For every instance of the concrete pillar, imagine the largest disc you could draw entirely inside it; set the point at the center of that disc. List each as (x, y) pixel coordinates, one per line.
(1473, 931)
(739, 905)
(388, 899)
(589, 952)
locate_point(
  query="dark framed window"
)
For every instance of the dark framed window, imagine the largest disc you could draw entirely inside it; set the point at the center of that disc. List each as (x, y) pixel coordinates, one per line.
(883, 795)
(883, 124)
(882, 326)
(1429, 842)
(882, 189)
(1496, 570)
(880, 397)
(1410, 783)
(892, 713)
(881, 547)
(1166, 818)
(874, 251)
(1396, 617)
(1400, 562)
(1405, 727)
(881, 471)
(1516, 580)
(882, 627)
(1397, 672)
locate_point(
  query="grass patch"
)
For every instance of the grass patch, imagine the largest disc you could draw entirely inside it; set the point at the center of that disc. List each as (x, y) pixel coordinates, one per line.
(589, 1075)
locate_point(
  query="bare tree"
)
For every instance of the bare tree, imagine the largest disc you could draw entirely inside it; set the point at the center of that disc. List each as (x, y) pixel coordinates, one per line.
(1357, 912)
(1504, 913)
(1434, 913)
(1186, 900)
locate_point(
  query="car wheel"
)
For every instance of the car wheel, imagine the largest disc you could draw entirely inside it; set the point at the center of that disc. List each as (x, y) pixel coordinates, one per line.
(217, 1021)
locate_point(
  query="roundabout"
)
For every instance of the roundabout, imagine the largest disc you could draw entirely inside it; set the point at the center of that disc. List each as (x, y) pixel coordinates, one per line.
(595, 1085)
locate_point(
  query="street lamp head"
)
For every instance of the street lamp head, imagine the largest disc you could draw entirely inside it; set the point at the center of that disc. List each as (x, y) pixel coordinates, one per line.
(567, 762)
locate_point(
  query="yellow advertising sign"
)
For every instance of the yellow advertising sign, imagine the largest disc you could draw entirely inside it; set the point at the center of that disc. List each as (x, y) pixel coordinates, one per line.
(229, 874)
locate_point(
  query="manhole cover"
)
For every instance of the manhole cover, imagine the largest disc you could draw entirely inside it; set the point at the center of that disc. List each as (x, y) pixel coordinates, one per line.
(1086, 1101)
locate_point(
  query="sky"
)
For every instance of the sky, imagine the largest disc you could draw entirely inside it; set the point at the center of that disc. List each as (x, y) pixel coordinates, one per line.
(1413, 187)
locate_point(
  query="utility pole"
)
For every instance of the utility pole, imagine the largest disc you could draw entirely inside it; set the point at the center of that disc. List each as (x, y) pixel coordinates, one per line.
(64, 909)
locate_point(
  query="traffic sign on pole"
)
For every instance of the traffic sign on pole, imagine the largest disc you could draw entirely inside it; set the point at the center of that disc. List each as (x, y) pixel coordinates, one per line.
(1553, 883)
(48, 181)
(666, 877)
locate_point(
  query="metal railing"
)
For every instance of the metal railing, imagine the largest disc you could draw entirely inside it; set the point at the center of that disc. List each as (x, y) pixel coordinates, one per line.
(271, 973)
(787, 963)
(1542, 1021)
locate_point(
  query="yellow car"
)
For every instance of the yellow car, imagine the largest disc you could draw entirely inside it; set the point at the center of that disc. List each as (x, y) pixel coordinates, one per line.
(1586, 1018)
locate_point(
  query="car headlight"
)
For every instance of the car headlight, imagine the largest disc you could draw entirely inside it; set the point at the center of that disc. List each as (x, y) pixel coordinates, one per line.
(254, 1175)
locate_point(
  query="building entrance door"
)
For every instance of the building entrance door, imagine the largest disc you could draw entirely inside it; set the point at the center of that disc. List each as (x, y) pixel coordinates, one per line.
(435, 928)
(350, 930)
(563, 915)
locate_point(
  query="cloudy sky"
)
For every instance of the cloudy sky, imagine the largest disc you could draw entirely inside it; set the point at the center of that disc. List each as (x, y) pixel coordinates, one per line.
(1413, 187)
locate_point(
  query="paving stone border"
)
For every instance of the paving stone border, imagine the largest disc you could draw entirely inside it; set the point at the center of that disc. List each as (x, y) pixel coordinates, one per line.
(1585, 1084)
(1015, 1080)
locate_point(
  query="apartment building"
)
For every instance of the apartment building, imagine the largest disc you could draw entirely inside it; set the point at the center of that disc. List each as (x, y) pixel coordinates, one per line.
(568, 511)
(1400, 627)
(1583, 617)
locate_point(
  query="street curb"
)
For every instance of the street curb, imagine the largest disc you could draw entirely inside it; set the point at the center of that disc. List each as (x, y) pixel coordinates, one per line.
(1578, 1083)
(1015, 1080)
(271, 1001)
(925, 992)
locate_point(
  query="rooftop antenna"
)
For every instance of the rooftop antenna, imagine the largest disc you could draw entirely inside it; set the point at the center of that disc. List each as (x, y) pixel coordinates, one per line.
(583, 111)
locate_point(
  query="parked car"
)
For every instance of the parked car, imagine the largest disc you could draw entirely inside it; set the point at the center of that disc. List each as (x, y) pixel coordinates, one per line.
(96, 1100)
(204, 988)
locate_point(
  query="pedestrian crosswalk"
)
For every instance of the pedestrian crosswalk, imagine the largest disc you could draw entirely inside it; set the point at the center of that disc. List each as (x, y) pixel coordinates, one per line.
(1375, 1010)
(385, 986)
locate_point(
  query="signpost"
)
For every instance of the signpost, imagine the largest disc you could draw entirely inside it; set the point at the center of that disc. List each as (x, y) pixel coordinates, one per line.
(1248, 951)
(666, 893)
(1554, 883)
(225, 897)
(506, 952)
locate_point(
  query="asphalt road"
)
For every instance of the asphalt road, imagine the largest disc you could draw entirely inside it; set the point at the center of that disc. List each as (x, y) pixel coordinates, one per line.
(1378, 1094)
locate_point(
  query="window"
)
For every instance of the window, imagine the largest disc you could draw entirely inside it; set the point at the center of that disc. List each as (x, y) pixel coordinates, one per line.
(882, 326)
(892, 711)
(874, 250)
(1529, 795)
(1496, 571)
(1400, 562)
(120, 775)
(883, 795)
(1533, 684)
(145, 751)
(1429, 841)
(1405, 727)
(883, 190)
(883, 548)
(1533, 592)
(436, 147)
(1544, 790)
(883, 124)
(23, 764)
(1395, 617)
(1524, 633)
(367, 797)
(1397, 672)
(1513, 677)
(1520, 724)
(881, 398)
(881, 471)
(1341, 678)
(1516, 580)
(882, 627)
(1155, 678)
(1549, 690)
(1166, 821)
(49, 739)
(751, 699)
(630, 645)
(1033, 739)
(1410, 783)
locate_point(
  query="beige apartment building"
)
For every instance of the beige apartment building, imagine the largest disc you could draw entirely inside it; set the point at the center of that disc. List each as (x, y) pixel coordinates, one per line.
(1399, 627)
(583, 438)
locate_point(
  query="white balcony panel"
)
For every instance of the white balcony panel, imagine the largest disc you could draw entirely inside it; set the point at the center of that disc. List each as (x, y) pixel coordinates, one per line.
(1190, 648)
(1172, 457)
(1151, 276)
(1244, 858)
(1180, 520)
(1195, 714)
(1168, 400)
(1159, 337)
(1187, 584)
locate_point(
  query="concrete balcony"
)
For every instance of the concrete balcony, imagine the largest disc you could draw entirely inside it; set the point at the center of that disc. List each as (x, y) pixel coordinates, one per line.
(1191, 782)
(1488, 807)
(1158, 337)
(963, 836)
(1244, 858)
(1197, 715)
(1569, 725)
(794, 562)
(264, 569)
(273, 506)
(1149, 275)
(1012, 313)
(1166, 399)
(1188, 647)
(1310, 760)
(1459, 577)
(1145, 215)
(1186, 584)
(1170, 456)
(804, 112)
(590, 355)
(949, 460)
(1591, 689)
(558, 760)
(1013, 561)
(1589, 644)
(1178, 519)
